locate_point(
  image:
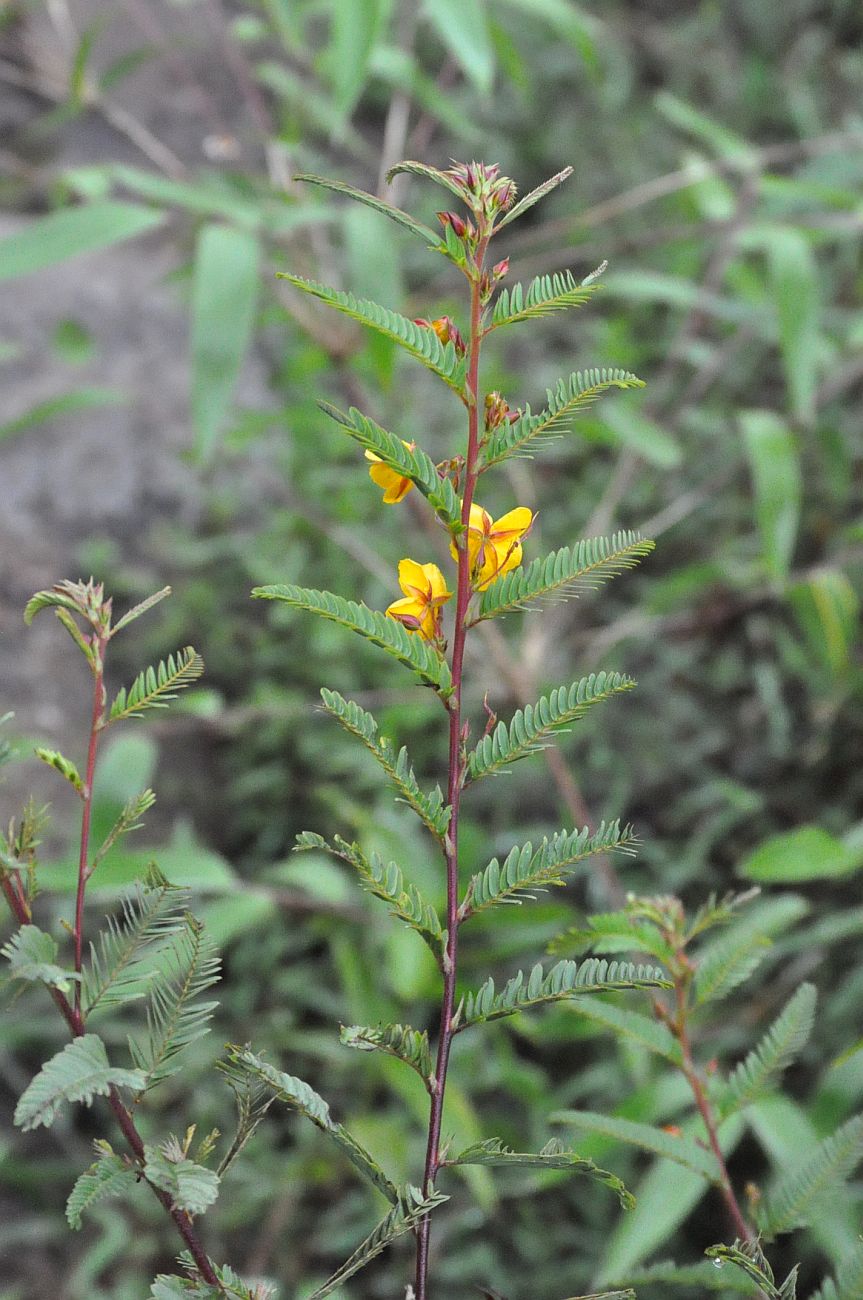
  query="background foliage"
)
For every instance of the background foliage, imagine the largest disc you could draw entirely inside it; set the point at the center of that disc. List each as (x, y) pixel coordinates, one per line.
(718, 154)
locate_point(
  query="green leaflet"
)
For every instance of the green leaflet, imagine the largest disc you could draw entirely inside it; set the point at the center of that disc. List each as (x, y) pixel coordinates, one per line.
(63, 765)
(533, 197)
(525, 869)
(682, 1150)
(152, 912)
(176, 1017)
(544, 296)
(564, 573)
(300, 1097)
(531, 727)
(419, 341)
(785, 1038)
(411, 1206)
(385, 881)
(193, 1288)
(413, 464)
(565, 400)
(191, 1187)
(80, 1072)
(380, 205)
(430, 808)
(31, 954)
(406, 1044)
(553, 1155)
(128, 820)
(753, 1263)
(616, 932)
(154, 687)
(110, 1175)
(410, 649)
(733, 955)
(848, 1283)
(562, 981)
(631, 1025)
(800, 1191)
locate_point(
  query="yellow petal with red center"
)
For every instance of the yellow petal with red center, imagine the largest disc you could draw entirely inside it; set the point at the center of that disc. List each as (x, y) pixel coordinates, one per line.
(500, 557)
(514, 523)
(439, 593)
(414, 580)
(408, 610)
(395, 486)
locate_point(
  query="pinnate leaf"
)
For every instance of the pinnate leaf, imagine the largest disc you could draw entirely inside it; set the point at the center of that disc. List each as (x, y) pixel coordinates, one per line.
(80, 1072)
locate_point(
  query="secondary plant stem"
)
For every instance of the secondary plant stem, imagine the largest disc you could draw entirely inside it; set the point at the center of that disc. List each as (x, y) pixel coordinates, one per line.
(455, 777)
(83, 856)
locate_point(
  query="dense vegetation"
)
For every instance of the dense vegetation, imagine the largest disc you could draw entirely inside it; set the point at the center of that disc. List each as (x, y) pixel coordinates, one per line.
(718, 155)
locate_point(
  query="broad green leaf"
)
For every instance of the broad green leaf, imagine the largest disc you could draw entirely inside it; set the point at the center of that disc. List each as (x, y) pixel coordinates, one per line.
(463, 27)
(80, 1072)
(224, 294)
(682, 1150)
(775, 464)
(353, 28)
(110, 1175)
(719, 138)
(49, 240)
(808, 853)
(793, 279)
(641, 434)
(300, 1097)
(569, 21)
(32, 956)
(827, 609)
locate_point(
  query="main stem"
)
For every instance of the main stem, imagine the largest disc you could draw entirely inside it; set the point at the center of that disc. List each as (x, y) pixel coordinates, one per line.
(455, 777)
(681, 1029)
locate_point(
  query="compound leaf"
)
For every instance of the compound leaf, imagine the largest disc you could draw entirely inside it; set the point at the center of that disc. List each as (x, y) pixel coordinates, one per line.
(80, 1072)
(154, 687)
(565, 979)
(554, 1155)
(110, 1175)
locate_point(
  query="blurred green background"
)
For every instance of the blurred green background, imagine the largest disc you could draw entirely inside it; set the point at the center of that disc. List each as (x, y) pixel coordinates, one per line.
(158, 425)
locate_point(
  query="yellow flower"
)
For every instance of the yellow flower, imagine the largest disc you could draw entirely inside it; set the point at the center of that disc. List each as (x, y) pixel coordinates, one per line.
(425, 591)
(494, 545)
(395, 487)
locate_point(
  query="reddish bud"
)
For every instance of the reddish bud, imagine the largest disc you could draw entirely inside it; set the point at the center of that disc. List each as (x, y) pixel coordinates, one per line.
(500, 269)
(454, 220)
(506, 194)
(496, 410)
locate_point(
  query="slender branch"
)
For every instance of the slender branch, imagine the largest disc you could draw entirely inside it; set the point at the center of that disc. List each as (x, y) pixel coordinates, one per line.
(455, 779)
(99, 644)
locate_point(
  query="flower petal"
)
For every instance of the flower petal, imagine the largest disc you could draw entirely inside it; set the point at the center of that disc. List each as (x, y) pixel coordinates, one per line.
(414, 581)
(437, 584)
(514, 523)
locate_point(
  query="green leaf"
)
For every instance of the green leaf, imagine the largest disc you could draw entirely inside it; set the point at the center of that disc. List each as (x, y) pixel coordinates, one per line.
(534, 196)
(90, 398)
(430, 808)
(682, 1150)
(409, 462)
(733, 956)
(395, 214)
(524, 869)
(631, 1026)
(32, 954)
(385, 881)
(827, 609)
(353, 29)
(188, 965)
(406, 1044)
(565, 400)
(154, 911)
(531, 728)
(224, 295)
(565, 573)
(191, 1187)
(300, 1097)
(411, 168)
(62, 597)
(631, 427)
(405, 1215)
(801, 1191)
(129, 820)
(409, 648)
(154, 687)
(562, 982)
(793, 283)
(493, 1152)
(141, 608)
(784, 1040)
(616, 932)
(63, 765)
(79, 1072)
(544, 296)
(50, 240)
(778, 485)
(807, 853)
(419, 341)
(753, 1263)
(703, 1277)
(111, 1175)
(463, 27)
(849, 1279)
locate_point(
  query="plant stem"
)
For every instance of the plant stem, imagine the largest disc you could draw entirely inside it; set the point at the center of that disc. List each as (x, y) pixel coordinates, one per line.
(455, 778)
(83, 855)
(681, 1030)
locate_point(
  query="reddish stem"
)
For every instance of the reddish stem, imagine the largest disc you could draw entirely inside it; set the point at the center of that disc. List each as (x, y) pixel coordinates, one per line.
(83, 855)
(455, 778)
(681, 1030)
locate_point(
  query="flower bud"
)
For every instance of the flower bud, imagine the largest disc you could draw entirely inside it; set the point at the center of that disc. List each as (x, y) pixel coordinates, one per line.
(500, 269)
(496, 410)
(454, 220)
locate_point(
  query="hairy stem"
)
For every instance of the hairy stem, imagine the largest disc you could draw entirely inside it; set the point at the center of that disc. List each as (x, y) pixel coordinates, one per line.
(455, 776)
(681, 1031)
(84, 852)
